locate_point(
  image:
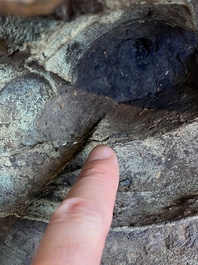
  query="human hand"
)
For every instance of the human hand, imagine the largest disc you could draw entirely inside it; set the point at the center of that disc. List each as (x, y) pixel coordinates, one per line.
(77, 231)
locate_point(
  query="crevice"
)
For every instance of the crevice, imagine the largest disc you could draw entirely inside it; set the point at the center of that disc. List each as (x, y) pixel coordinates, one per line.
(140, 59)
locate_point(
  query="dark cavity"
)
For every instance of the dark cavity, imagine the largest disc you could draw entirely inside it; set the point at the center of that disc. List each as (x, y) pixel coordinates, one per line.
(138, 59)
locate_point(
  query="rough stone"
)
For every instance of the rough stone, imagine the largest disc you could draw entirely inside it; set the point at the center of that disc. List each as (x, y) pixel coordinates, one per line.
(81, 33)
(33, 147)
(19, 240)
(8, 69)
(137, 59)
(157, 179)
(174, 243)
(28, 8)
(48, 126)
(22, 34)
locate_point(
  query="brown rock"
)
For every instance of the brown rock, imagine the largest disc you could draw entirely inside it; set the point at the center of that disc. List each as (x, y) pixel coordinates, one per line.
(28, 7)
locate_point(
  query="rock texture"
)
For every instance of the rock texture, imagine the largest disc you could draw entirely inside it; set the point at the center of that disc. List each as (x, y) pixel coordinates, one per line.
(39, 135)
(49, 122)
(28, 7)
(137, 59)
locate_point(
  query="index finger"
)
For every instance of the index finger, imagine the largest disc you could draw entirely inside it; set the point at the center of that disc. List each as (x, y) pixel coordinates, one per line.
(98, 180)
(78, 229)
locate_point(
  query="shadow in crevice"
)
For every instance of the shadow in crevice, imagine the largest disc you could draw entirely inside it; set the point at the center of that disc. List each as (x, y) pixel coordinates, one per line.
(181, 208)
(153, 115)
(139, 62)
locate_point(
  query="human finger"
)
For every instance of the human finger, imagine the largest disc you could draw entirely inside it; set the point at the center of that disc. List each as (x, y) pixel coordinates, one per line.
(78, 229)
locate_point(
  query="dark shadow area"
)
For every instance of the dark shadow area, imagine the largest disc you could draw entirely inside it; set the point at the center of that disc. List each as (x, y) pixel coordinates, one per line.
(19, 240)
(138, 60)
(71, 9)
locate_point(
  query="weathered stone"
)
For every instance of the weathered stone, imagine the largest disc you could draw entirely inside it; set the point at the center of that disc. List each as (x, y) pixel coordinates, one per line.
(22, 34)
(19, 240)
(89, 30)
(28, 7)
(46, 122)
(154, 186)
(59, 45)
(173, 243)
(8, 69)
(32, 154)
(65, 9)
(137, 59)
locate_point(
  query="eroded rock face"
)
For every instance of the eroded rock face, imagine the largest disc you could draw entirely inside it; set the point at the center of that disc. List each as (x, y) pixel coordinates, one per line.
(28, 7)
(33, 146)
(65, 9)
(48, 125)
(137, 59)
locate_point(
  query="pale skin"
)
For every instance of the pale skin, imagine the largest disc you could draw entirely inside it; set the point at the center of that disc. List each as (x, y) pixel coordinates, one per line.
(78, 229)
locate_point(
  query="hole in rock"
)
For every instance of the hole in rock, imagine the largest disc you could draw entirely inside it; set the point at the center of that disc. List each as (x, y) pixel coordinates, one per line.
(137, 60)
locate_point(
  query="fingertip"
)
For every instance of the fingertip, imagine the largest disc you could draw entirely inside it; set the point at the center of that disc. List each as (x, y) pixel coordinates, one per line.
(84, 218)
(101, 152)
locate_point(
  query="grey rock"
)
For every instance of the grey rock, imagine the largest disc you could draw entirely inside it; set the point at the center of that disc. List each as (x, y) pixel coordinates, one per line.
(174, 243)
(157, 180)
(81, 33)
(48, 128)
(20, 34)
(34, 145)
(19, 240)
(135, 59)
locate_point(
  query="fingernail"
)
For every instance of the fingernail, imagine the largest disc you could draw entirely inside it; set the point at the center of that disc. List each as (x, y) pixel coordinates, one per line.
(101, 152)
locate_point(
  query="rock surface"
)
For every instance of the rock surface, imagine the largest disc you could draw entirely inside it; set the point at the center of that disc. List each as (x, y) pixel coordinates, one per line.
(137, 59)
(48, 126)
